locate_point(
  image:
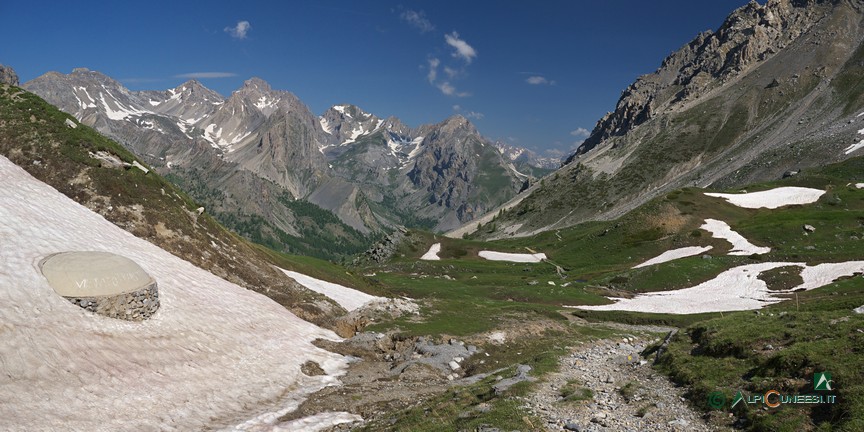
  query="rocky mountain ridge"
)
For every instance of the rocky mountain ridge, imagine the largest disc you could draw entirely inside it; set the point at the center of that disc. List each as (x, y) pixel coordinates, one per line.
(774, 90)
(749, 35)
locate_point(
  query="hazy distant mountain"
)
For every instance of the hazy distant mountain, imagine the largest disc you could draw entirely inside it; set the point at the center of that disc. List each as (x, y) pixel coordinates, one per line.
(777, 88)
(258, 157)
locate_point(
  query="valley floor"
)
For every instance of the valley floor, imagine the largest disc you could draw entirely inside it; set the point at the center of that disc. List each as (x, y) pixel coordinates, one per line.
(595, 384)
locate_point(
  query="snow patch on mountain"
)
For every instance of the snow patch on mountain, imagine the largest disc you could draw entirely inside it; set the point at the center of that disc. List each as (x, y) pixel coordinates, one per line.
(432, 253)
(121, 112)
(736, 289)
(348, 298)
(772, 198)
(512, 257)
(213, 350)
(328, 128)
(674, 254)
(264, 102)
(740, 245)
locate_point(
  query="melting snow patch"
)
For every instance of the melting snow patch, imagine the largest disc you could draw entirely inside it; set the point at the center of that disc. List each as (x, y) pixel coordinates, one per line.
(772, 198)
(348, 298)
(432, 253)
(674, 254)
(823, 274)
(735, 289)
(512, 257)
(740, 245)
(214, 350)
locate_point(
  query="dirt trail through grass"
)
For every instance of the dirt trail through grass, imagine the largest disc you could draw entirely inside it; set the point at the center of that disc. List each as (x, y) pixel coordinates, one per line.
(606, 385)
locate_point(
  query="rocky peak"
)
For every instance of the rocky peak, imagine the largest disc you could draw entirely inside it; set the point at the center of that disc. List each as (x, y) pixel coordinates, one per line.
(395, 125)
(346, 123)
(194, 91)
(453, 127)
(257, 84)
(750, 35)
(8, 75)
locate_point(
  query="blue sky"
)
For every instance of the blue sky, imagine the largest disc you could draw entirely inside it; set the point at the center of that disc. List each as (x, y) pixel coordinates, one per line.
(534, 74)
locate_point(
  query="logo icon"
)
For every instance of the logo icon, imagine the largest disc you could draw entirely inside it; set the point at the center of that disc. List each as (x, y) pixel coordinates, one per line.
(716, 400)
(822, 381)
(738, 398)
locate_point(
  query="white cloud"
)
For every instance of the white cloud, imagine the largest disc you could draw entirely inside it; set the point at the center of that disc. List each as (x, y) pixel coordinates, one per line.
(417, 20)
(449, 90)
(194, 75)
(580, 133)
(469, 114)
(539, 80)
(239, 31)
(452, 73)
(433, 70)
(462, 49)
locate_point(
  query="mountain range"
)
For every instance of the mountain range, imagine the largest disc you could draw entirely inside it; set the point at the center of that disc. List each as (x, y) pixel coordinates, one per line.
(263, 164)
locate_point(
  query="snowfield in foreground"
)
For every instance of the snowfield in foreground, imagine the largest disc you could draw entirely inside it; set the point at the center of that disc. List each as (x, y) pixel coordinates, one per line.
(733, 290)
(740, 245)
(772, 198)
(432, 253)
(512, 257)
(348, 298)
(674, 254)
(214, 356)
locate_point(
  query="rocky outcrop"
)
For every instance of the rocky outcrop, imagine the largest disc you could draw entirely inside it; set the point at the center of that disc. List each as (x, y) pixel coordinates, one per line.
(133, 306)
(8, 75)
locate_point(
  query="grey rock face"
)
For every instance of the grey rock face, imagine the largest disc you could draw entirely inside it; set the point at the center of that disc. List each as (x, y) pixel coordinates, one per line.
(8, 75)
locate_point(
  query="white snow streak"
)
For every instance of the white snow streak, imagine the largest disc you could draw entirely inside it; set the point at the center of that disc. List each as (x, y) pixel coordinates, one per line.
(854, 147)
(432, 253)
(348, 298)
(328, 128)
(512, 257)
(740, 245)
(674, 254)
(214, 350)
(772, 198)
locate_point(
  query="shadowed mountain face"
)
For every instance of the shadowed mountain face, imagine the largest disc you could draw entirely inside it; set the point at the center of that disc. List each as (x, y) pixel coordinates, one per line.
(776, 89)
(258, 158)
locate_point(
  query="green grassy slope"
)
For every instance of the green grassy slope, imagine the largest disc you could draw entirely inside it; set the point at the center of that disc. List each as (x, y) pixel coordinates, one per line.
(716, 352)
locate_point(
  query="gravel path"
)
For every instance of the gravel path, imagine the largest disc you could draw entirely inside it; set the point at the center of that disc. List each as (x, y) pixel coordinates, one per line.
(626, 393)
